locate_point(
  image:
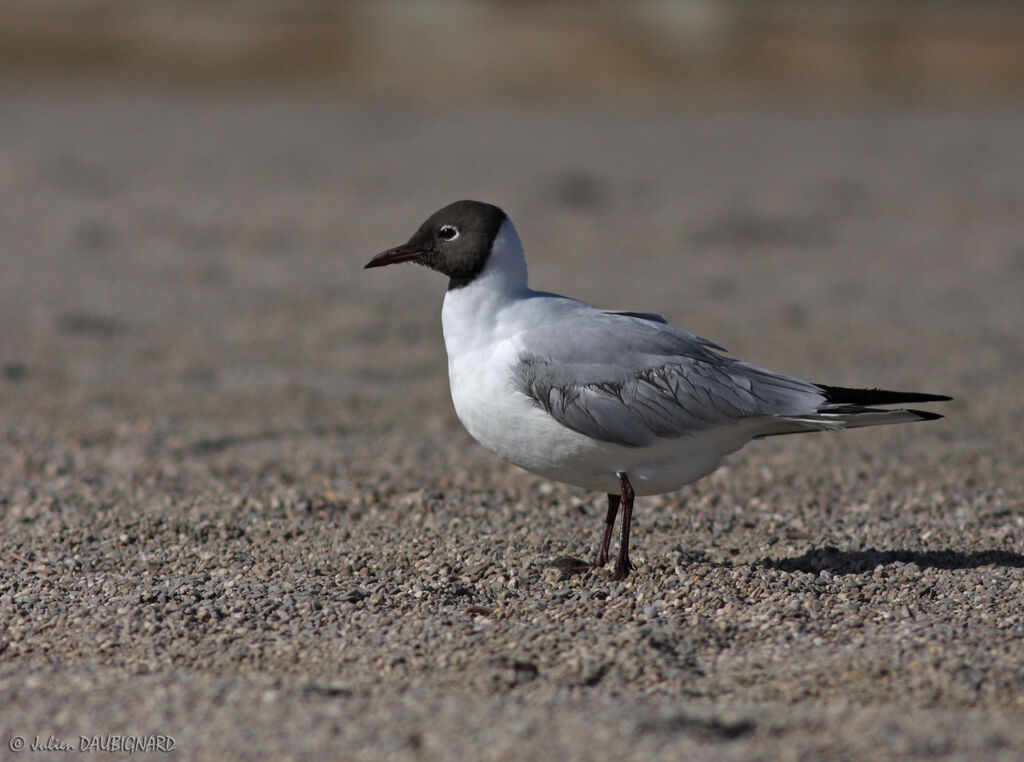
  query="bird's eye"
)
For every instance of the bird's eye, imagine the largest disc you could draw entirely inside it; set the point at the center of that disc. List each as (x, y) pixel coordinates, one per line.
(448, 232)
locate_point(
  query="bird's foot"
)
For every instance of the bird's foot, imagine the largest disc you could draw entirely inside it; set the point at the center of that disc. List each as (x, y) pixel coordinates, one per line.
(622, 569)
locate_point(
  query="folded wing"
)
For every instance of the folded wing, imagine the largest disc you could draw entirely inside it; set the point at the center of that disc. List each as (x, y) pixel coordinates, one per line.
(630, 379)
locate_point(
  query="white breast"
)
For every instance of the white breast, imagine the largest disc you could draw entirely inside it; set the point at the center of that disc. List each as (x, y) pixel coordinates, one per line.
(481, 321)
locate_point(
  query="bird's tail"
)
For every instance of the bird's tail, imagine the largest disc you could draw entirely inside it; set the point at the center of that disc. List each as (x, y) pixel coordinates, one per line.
(846, 408)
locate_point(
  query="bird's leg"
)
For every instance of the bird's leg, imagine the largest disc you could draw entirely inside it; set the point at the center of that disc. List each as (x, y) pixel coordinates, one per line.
(609, 525)
(622, 564)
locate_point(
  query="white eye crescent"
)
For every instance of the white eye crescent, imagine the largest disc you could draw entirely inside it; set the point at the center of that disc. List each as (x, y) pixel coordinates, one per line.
(448, 233)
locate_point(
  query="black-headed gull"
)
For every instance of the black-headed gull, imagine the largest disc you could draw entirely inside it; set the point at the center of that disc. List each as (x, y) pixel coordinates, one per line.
(619, 402)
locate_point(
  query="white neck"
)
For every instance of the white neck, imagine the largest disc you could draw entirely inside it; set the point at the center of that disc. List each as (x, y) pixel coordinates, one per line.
(468, 314)
(506, 267)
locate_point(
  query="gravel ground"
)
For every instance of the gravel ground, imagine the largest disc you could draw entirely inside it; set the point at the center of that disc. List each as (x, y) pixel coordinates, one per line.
(238, 510)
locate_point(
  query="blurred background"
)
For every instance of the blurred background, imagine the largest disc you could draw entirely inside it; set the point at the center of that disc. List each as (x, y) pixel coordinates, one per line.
(188, 190)
(453, 49)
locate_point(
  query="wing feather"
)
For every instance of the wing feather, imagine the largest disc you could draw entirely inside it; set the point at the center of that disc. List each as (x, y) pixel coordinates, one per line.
(628, 379)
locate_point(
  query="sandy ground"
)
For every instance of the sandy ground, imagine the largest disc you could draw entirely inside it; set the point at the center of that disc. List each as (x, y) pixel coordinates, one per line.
(238, 510)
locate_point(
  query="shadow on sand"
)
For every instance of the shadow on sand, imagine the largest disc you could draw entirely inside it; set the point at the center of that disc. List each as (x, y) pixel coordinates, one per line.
(838, 561)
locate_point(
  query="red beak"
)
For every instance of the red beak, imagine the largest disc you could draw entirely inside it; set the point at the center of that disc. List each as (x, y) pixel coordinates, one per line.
(403, 253)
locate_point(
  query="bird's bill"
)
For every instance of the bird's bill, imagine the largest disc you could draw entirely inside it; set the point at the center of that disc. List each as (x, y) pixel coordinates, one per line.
(403, 253)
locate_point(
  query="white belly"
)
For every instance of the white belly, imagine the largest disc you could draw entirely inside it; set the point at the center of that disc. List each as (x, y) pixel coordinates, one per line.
(509, 424)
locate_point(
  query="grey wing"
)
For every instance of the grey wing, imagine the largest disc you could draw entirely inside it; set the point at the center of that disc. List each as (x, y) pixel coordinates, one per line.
(621, 378)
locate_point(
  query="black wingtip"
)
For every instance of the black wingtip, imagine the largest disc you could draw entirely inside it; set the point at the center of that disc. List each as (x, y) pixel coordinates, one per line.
(924, 415)
(841, 395)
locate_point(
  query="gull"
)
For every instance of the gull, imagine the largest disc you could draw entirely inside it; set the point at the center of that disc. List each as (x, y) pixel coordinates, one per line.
(613, 401)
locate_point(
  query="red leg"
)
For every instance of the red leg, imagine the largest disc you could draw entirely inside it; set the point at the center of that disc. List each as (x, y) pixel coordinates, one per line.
(609, 525)
(622, 564)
